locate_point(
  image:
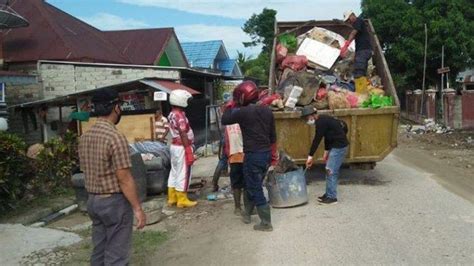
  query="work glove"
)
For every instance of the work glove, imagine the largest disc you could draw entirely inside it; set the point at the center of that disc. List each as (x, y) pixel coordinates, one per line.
(189, 155)
(275, 155)
(344, 49)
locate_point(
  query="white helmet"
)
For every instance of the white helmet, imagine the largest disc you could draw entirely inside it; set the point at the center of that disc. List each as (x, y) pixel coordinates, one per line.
(347, 14)
(180, 98)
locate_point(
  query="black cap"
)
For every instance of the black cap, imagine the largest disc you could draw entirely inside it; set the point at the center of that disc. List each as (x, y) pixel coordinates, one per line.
(105, 96)
(308, 110)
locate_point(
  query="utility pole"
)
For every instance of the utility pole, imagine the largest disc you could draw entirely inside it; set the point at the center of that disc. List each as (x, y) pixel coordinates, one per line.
(424, 72)
(442, 83)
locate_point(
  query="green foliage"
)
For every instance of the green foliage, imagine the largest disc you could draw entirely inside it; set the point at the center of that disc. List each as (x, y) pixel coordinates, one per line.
(15, 169)
(261, 29)
(400, 27)
(257, 68)
(220, 88)
(289, 41)
(55, 163)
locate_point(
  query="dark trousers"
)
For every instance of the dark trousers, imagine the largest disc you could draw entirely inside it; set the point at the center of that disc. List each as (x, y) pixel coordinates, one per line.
(112, 222)
(255, 168)
(237, 180)
(361, 62)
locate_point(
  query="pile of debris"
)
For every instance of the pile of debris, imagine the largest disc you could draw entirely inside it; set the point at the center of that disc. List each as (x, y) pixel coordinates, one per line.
(429, 126)
(310, 71)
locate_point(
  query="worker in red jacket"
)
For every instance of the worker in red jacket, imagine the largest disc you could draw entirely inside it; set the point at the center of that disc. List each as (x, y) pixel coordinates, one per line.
(259, 139)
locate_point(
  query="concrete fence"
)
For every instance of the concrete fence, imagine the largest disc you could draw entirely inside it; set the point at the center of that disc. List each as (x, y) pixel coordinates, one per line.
(458, 110)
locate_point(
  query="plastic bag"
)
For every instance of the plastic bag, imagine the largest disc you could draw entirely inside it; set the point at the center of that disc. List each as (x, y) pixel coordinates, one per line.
(295, 62)
(352, 99)
(337, 100)
(269, 99)
(281, 53)
(376, 101)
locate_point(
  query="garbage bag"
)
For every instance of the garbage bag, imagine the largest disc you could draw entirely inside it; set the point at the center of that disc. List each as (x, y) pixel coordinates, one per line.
(376, 101)
(285, 163)
(267, 100)
(295, 62)
(352, 98)
(337, 100)
(310, 83)
(281, 53)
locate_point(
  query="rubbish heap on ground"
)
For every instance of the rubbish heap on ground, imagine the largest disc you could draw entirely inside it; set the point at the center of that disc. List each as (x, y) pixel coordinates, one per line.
(429, 126)
(310, 71)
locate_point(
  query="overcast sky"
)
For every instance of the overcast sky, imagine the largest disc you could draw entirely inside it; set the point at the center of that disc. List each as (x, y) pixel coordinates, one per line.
(198, 20)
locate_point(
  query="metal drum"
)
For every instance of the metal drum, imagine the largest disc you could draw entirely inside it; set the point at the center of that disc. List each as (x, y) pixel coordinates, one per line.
(287, 189)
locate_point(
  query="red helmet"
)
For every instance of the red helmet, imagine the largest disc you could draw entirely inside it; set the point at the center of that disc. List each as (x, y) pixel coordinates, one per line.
(245, 93)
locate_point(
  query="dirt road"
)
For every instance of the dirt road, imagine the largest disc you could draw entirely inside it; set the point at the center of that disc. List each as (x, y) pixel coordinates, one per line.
(397, 213)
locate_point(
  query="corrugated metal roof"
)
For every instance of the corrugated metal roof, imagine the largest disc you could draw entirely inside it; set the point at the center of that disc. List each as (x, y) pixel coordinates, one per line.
(143, 46)
(227, 66)
(55, 35)
(70, 99)
(201, 54)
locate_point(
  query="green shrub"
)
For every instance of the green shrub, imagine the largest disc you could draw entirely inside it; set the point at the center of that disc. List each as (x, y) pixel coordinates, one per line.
(15, 170)
(55, 164)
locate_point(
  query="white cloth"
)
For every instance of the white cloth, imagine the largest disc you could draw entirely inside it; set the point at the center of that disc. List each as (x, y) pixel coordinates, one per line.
(180, 174)
(234, 137)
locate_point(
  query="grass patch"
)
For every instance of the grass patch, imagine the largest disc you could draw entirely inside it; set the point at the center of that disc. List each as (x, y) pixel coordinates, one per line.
(44, 201)
(144, 244)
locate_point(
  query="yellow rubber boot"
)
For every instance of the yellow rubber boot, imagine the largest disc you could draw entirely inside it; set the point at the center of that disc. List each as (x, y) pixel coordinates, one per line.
(361, 85)
(183, 201)
(172, 196)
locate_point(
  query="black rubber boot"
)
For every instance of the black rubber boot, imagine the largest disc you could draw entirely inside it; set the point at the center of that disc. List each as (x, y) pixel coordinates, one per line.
(249, 206)
(265, 219)
(215, 178)
(237, 199)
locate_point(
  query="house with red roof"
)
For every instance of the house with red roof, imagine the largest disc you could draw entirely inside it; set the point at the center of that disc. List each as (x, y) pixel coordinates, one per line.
(67, 56)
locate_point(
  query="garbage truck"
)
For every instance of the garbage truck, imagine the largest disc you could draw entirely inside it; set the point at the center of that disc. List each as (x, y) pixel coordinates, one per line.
(372, 133)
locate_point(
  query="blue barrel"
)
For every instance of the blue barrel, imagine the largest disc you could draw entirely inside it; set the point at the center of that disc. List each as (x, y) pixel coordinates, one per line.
(287, 189)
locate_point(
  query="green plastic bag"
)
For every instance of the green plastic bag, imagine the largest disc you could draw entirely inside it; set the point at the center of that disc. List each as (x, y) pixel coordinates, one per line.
(377, 101)
(289, 41)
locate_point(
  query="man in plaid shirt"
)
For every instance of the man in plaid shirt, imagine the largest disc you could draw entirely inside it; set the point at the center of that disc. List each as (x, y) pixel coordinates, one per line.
(113, 200)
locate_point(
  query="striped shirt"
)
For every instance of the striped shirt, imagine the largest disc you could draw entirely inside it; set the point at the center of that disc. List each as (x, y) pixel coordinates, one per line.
(102, 151)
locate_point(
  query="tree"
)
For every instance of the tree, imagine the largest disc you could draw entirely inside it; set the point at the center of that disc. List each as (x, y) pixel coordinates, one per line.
(261, 29)
(242, 60)
(400, 27)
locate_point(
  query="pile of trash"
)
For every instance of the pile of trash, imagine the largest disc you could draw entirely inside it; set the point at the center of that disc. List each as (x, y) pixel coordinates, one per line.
(310, 71)
(285, 164)
(152, 149)
(429, 126)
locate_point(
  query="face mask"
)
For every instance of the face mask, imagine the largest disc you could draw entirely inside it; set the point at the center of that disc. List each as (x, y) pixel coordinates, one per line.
(310, 122)
(119, 116)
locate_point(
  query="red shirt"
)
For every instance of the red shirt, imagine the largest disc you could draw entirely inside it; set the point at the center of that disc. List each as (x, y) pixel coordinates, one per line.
(179, 123)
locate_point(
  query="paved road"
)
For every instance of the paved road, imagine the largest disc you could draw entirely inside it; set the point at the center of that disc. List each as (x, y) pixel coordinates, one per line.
(395, 214)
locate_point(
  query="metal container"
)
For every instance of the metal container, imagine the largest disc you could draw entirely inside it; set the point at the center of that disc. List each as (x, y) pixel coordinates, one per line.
(372, 133)
(288, 189)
